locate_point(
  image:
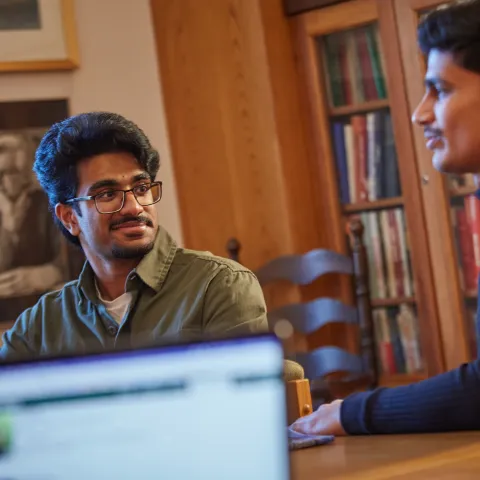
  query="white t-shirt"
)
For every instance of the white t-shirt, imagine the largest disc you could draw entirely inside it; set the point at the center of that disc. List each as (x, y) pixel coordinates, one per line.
(118, 307)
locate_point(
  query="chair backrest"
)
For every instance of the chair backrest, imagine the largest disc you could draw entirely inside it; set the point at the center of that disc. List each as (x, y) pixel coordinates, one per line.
(307, 318)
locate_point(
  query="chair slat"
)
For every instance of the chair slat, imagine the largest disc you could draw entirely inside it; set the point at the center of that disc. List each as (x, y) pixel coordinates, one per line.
(304, 269)
(326, 360)
(309, 317)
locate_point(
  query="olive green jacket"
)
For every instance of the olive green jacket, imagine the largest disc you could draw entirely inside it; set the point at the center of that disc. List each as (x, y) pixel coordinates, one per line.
(175, 292)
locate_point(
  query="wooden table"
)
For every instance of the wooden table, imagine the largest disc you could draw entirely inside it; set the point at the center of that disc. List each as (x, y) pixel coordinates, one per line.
(422, 456)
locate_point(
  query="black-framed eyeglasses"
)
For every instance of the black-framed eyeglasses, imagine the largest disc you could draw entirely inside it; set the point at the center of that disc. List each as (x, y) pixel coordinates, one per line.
(112, 201)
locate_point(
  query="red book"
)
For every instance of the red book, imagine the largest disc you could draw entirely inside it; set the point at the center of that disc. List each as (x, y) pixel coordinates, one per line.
(396, 254)
(359, 126)
(466, 250)
(472, 207)
(368, 82)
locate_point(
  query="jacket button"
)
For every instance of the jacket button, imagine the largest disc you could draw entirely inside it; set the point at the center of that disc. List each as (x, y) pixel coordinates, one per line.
(112, 330)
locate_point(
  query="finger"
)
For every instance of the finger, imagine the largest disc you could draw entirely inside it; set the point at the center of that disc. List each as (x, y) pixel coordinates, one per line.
(303, 425)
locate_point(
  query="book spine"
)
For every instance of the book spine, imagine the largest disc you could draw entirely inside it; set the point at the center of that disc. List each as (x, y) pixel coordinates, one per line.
(473, 215)
(359, 125)
(366, 68)
(350, 150)
(466, 253)
(371, 157)
(396, 254)
(341, 160)
(406, 267)
(387, 245)
(374, 54)
(331, 44)
(379, 256)
(396, 340)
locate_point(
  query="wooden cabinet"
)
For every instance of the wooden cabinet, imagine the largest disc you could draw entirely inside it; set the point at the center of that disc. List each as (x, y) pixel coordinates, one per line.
(359, 61)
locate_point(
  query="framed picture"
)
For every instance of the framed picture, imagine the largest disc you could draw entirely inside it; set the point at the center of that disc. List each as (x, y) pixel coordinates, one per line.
(37, 35)
(34, 256)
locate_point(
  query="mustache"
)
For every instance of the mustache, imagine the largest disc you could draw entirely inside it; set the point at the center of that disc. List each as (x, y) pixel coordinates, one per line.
(432, 132)
(140, 219)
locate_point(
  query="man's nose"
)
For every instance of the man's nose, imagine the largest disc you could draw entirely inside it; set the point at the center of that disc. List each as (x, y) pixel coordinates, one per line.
(424, 114)
(131, 206)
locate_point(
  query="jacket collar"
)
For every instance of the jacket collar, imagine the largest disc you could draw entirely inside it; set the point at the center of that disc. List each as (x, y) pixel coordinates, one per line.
(152, 269)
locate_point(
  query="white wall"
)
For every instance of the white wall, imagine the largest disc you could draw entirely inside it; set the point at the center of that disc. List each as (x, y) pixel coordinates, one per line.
(118, 73)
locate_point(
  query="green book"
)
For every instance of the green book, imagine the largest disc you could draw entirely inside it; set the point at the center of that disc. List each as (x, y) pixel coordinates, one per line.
(334, 72)
(376, 62)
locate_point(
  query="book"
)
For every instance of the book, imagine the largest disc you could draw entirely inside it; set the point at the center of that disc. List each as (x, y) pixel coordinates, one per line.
(366, 161)
(353, 64)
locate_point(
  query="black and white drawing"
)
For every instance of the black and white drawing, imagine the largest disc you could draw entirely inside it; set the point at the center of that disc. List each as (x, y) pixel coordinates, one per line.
(31, 253)
(19, 15)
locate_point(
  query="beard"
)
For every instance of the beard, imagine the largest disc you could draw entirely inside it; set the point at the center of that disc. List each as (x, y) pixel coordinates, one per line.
(129, 253)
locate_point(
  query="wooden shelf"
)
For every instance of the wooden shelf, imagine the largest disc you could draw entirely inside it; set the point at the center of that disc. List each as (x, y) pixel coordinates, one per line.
(373, 205)
(396, 379)
(462, 191)
(358, 108)
(391, 302)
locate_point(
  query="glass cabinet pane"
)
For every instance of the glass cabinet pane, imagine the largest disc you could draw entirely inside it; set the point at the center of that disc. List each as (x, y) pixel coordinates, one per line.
(353, 65)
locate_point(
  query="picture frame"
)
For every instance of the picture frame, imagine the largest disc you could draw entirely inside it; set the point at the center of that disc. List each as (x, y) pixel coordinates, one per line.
(38, 35)
(30, 242)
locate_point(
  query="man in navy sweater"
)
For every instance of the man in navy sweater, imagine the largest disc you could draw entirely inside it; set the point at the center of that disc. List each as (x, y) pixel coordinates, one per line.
(449, 113)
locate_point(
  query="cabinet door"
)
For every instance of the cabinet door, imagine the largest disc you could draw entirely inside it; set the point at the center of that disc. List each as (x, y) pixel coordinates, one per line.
(350, 61)
(448, 205)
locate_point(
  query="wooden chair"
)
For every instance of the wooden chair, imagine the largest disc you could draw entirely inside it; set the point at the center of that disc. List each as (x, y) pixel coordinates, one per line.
(332, 371)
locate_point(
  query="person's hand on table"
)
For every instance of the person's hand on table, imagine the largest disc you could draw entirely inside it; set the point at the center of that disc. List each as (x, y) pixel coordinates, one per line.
(324, 421)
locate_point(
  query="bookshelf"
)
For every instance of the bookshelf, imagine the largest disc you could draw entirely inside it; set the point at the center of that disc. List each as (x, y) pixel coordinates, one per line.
(370, 106)
(373, 205)
(368, 182)
(465, 223)
(351, 64)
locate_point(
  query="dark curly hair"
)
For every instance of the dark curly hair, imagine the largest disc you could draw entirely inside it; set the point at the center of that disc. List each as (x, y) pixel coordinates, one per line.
(80, 137)
(454, 29)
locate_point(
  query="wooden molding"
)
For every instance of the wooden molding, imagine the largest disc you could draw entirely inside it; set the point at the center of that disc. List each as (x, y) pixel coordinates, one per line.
(294, 7)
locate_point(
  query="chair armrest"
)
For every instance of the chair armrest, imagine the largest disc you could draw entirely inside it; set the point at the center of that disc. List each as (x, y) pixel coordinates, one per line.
(299, 399)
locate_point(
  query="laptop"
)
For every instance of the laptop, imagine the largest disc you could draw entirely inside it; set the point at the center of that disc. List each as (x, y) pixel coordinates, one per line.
(200, 410)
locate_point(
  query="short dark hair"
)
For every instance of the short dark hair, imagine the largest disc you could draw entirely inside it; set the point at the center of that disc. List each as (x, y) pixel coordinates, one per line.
(80, 137)
(454, 29)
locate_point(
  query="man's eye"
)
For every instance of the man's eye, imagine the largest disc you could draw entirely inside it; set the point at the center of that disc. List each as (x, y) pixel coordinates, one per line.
(107, 195)
(440, 91)
(142, 189)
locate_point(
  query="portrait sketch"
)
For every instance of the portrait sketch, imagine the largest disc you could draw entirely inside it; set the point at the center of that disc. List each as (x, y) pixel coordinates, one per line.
(19, 15)
(34, 257)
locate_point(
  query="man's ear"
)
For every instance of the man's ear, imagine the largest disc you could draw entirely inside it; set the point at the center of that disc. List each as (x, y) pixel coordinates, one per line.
(67, 215)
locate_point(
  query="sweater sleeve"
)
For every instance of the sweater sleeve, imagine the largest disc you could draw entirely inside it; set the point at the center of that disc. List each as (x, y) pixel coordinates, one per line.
(446, 402)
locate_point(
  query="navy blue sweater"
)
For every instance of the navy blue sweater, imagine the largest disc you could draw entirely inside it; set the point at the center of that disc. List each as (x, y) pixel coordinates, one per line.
(450, 401)
(447, 402)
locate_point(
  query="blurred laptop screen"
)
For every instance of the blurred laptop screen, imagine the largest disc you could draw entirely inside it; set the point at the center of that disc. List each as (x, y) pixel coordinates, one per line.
(194, 411)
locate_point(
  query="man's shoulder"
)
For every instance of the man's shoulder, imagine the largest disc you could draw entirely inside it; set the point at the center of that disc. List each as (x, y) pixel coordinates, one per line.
(54, 301)
(207, 261)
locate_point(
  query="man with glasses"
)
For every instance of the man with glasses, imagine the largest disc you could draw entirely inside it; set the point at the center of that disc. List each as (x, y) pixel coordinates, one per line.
(98, 170)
